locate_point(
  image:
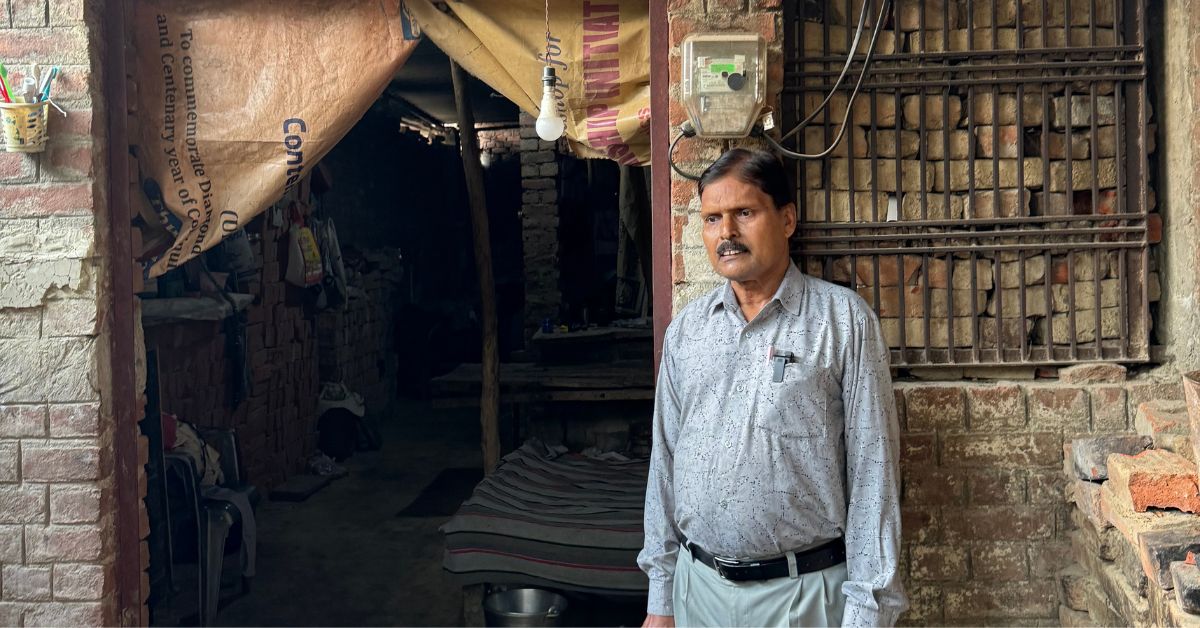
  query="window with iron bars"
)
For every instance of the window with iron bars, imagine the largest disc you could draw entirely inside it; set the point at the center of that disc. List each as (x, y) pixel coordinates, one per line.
(990, 197)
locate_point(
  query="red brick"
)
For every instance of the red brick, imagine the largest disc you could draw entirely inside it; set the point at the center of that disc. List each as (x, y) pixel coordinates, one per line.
(934, 407)
(999, 562)
(768, 5)
(26, 584)
(28, 13)
(1089, 456)
(1154, 228)
(76, 419)
(998, 523)
(54, 544)
(46, 45)
(996, 407)
(680, 27)
(56, 199)
(714, 6)
(684, 5)
(1049, 558)
(1161, 417)
(17, 168)
(67, 162)
(1157, 549)
(66, 12)
(16, 421)
(1118, 510)
(59, 461)
(76, 582)
(1108, 409)
(1143, 391)
(939, 562)
(73, 87)
(916, 449)
(22, 504)
(75, 126)
(996, 487)
(1155, 479)
(1038, 449)
(1086, 495)
(1046, 487)
(920, 525)
(933, 486)
(1092, 373)
(1058, 408)
(972, 602)
(74, 504)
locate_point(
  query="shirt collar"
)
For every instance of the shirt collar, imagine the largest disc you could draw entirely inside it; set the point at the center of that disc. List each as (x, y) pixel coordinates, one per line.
(790, 293)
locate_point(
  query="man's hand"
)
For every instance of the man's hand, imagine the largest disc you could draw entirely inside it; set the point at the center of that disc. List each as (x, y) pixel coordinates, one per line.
(659, 621)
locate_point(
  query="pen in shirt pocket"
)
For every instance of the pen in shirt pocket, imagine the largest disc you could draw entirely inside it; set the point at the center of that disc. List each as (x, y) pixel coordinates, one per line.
(779, 359)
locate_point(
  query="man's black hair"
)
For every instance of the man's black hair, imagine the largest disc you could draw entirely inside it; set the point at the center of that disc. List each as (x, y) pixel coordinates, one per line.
(756, 167)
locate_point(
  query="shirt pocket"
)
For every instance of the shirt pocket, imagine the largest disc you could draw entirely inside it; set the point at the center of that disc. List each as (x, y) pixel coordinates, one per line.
(797, 407)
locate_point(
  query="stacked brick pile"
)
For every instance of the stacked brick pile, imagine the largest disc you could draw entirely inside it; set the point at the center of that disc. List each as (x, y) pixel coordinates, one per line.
(1136, 503)
(986, 524)
(280, 419)
(976, 152)
(275, 422)
(355, 343)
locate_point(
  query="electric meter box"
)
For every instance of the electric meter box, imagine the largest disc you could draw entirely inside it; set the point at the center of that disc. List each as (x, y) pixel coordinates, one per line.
(724, 82)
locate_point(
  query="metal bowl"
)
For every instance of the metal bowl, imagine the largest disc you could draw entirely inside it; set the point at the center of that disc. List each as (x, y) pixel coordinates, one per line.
(524, 607)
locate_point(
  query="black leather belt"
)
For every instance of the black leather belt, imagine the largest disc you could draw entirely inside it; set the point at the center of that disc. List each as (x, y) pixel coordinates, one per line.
(820, 557)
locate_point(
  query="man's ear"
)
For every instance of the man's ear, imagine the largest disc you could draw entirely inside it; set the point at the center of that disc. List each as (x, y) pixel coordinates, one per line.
(789, 218)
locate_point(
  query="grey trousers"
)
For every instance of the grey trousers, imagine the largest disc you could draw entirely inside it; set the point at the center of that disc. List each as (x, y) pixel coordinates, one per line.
(703, 598)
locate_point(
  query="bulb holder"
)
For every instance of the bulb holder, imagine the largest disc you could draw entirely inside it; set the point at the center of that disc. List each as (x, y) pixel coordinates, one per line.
(548, 76)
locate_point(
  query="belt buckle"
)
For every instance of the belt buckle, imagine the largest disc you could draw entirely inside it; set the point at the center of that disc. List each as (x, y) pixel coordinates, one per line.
(724, 567)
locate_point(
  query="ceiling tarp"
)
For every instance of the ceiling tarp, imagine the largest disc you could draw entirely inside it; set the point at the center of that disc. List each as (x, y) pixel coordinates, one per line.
(600, 49)
(239, 100)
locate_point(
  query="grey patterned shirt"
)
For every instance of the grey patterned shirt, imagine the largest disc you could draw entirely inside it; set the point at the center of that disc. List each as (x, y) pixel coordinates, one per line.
(749, 468)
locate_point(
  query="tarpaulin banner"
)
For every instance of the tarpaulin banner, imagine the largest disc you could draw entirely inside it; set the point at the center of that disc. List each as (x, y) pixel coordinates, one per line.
(599, 48)
(239, 100)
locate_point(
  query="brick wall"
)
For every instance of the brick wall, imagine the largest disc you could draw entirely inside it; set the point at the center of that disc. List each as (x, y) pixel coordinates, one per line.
(499, 144)
(539, 225)
(56, 500)
(986, 525)
(275, 421)
(356, 345)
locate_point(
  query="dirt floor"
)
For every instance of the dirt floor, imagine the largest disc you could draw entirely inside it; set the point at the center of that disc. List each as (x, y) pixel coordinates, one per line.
(344, 557)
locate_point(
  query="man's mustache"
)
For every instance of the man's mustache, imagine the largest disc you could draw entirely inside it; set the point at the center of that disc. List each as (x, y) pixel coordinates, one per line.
(731, 246)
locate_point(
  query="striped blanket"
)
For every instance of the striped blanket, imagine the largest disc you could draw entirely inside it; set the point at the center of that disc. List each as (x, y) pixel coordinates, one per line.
(566, 522)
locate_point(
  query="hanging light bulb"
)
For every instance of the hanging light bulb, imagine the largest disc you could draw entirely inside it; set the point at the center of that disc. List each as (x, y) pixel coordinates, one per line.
(549, 126)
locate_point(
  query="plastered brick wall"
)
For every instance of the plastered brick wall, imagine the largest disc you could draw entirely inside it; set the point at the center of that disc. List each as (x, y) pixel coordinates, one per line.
(56, 502)
(986, 525)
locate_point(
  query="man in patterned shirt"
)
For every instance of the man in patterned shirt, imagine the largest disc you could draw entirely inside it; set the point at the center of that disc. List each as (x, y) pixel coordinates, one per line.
(773, 496)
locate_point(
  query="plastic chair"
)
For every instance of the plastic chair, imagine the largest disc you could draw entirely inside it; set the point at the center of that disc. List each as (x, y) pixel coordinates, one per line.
(216, 517)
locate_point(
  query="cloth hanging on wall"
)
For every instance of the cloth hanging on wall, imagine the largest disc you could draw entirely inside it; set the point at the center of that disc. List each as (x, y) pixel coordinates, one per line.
(238, 100)
(600, 50)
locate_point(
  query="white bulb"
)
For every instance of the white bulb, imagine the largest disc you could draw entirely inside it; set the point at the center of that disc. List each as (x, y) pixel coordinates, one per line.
(549, 126)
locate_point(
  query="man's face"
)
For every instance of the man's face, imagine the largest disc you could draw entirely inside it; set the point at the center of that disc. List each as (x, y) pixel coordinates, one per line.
(745, 234)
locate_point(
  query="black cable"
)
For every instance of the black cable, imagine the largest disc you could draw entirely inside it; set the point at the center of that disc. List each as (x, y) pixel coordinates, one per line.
(862, 20)
(849, 104)
(671, 155)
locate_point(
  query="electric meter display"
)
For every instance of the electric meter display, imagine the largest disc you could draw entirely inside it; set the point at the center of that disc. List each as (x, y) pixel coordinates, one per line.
(724, 82)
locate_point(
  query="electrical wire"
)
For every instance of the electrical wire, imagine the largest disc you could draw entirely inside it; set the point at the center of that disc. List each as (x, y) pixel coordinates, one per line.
(849, 104)
(862, 20)
(671, 155)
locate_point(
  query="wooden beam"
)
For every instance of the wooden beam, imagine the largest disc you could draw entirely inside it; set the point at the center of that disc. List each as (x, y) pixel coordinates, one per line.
(660, 172)
(120, 405)
(489, 399)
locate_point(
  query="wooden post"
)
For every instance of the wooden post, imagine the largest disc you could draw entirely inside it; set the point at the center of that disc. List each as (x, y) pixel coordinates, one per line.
(489, 402)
